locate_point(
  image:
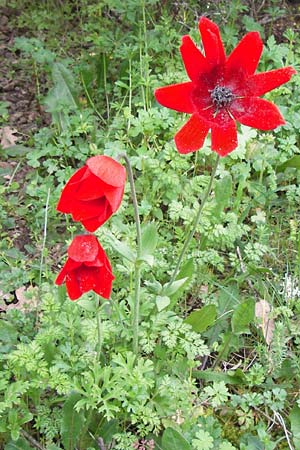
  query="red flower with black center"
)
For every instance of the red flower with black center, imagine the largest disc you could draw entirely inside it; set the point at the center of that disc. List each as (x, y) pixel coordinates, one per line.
(222, 90)
(86, 269)
(94, 192)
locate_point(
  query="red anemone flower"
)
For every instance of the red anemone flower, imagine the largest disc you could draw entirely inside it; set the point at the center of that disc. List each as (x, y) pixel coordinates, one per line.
(94, 192)
(222, 90)
(86, 269)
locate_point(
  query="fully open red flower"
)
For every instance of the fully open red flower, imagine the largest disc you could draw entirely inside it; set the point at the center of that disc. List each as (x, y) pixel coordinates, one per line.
(86, 269)
(94, 192)
(222, 90)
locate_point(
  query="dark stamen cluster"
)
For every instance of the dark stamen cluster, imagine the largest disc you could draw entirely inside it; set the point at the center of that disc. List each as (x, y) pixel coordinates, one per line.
(221, 96)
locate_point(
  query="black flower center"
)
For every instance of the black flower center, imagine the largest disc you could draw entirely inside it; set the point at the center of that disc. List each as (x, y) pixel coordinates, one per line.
(221, 96)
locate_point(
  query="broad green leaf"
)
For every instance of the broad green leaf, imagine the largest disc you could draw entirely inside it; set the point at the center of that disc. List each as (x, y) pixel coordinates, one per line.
(187, 270)
(173, 287)
(230, 377)
(162, 302)
(62, 95)
(223, 191)
(122, 249)
(243, 316)
(17, 150)
(8, 333)
(295, 425)
(149, 239)
(107, 430)
(294, 163)
(202, 318)
(64, 80)
(72, 422)
(20, 444)
(253, 443)
(172, 440)
(89, 304)
(149, 259)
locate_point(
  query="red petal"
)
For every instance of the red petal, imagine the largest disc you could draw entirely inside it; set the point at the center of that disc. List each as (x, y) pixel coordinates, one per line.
(223, 134)
(192, 135)
(261, 83)
(176, 96)
(104, 282)
(93, 208)
(114, 197)
(87, 278)
(83, 248)
(246, 54)
(67, 268)
(68, 193)
(257, 112)
(72, 285)
(194, 61)
(94, 223)
(212, 42)
(92, 188)
(107, 169)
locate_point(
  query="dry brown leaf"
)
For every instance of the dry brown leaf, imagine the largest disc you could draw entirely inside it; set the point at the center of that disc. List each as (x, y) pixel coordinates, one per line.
(8, 139)
(267, 324)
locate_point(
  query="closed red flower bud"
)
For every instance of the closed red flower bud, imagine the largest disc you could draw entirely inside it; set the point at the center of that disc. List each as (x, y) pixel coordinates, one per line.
(94, 192)
(86, 269)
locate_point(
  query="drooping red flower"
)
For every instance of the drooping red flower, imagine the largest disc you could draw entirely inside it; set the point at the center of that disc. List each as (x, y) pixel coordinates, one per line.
(94, 192)
(222, 90)
(86, 269)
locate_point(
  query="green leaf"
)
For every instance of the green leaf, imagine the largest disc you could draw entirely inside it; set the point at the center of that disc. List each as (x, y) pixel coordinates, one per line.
(62, 95)
(20, 444)
(64, 80)
(186, 272)
(230, 377)
(223, 191)
(72, 422)
(294, 163)
(162, 302)
(122, 248)
(172, 440)
(8, 336)
(187, 269)
(88, 304)
(202, 318)
(107, 430)
(148, 243)
(243, 316)
(17, 150)
(149, 239)
(171, 289)
(149, 259)
(295, 425)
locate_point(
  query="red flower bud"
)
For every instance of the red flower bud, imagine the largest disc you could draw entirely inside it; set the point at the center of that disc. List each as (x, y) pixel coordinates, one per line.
(86, 269)
(94, 192)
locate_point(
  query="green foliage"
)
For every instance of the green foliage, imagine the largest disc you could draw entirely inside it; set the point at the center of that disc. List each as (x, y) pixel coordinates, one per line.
(172, 440)
(206, 377)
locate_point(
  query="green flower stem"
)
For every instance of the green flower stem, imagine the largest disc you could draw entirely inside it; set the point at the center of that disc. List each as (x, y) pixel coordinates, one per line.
(196, 222)
(137, 290)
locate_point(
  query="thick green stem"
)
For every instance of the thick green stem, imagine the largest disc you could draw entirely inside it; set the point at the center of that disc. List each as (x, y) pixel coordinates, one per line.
(137, 274)
(196, 222)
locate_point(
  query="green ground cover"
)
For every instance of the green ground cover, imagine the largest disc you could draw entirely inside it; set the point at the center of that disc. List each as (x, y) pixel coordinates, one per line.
(218, 363)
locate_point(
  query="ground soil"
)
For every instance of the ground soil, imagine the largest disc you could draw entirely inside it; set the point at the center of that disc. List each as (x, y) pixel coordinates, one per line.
(17, 84)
